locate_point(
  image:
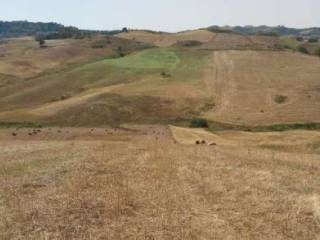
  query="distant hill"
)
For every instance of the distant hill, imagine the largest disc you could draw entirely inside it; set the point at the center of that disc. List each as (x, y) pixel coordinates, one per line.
(58, 31)
(266, 30)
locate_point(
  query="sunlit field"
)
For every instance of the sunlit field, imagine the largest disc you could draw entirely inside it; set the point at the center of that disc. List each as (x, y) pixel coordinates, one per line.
(143, 183)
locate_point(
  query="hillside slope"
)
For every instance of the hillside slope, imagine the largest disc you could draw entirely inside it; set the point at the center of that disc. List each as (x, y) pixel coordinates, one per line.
(71, 83)
(249, 86)
(150, 79)
(168, 39)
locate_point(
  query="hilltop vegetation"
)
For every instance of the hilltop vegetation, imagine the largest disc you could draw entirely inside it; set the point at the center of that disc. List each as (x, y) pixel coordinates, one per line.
(25, 28)
(50, 30)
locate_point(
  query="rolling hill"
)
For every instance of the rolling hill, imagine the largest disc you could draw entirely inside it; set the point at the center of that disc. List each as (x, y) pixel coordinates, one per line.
(224, 77)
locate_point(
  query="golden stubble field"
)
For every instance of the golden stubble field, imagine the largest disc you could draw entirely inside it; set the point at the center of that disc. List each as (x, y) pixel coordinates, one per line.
(147, 182)
(246, 85)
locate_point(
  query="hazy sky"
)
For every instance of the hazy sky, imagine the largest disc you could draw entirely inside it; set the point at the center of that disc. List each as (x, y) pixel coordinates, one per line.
(166, 15)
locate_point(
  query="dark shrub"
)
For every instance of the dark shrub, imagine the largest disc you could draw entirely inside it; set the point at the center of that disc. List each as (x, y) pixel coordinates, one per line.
(303, 50)
(299, 39)
(189, 43)
(313, 40)
(165, 75)
(280, 99)
(199, 123)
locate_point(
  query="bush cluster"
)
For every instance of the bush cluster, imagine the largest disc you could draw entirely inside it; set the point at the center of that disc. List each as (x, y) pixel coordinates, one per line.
(199, 123)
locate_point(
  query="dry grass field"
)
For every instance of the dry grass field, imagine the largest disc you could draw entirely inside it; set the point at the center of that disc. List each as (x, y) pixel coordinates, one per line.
(246, 85)
(209, 40)
(142, 183)
(23, 58)
(87, 152)
(167, 39)
(135, 82)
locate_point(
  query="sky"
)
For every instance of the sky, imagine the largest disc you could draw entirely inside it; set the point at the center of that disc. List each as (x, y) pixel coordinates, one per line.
(163, 15)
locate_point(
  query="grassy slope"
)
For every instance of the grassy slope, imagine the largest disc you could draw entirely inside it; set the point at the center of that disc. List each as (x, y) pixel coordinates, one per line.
(143, 67)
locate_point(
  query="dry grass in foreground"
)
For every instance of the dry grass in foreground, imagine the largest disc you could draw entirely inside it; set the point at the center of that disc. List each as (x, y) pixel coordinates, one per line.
(143, 185)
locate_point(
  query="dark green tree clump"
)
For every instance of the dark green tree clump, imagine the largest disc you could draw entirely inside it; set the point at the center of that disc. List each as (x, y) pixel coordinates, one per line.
(125, 30)
(25, 28)
(199, 123)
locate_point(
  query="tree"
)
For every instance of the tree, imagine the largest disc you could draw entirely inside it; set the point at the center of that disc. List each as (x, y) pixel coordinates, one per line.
(40, 38)
(125, 30)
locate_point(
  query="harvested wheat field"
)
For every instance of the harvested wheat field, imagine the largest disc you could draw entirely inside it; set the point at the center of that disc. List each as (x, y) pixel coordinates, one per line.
(140, 182)
(264, 87)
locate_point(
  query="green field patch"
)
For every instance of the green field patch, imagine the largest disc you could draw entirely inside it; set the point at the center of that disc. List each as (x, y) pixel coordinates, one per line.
(147, 59)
